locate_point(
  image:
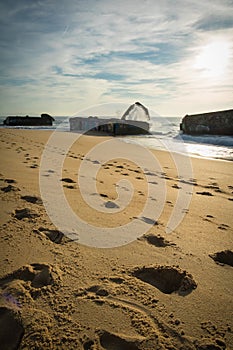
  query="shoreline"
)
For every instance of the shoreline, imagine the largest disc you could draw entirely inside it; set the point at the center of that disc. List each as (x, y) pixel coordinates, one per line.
(192, 155)
(131, 140)
(142, 294)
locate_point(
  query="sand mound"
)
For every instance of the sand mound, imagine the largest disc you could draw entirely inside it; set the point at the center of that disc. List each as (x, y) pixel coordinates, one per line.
(11, 329)
(39, 275)
(167, 279)
(28, 283)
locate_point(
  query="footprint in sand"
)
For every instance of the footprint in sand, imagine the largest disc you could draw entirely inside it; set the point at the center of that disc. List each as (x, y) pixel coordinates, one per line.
(213, 185)
(88, 345)
(223, 257)
(205, 193)
(39, 275)
(176, 186)
(98, 290)
(157, 241)
(68, 180)
(11, 329)
(54, 235)
(146, 220)
(144, 322)
(10, 181)
(70, 187)
(103, 195)
(10, 188)
(136, 171)
(32, 199)
(111, 205)
(110, 341)
(141, 193)
(223, 227)
(191, 182)
(167, 279)
(27, 283)
(25, 213)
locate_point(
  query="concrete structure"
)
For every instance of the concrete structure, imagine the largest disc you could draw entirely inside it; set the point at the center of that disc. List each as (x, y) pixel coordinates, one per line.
(133, 122)
(111, 126)
(214, 123)
(44, 120)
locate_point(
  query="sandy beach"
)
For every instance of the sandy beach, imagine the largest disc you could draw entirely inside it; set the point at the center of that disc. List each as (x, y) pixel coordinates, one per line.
(120, 279)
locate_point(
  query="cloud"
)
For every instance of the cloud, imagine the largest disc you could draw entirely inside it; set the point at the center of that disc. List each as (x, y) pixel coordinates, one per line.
(64, 56)
(215, 22)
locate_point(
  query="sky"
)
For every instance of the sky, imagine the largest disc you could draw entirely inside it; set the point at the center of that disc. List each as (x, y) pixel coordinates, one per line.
(64, 57)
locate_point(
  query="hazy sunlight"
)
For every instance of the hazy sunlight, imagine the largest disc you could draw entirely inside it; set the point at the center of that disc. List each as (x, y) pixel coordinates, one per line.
(213, 59)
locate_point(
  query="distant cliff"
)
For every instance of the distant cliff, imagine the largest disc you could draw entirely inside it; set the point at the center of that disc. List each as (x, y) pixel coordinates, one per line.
(214, 123)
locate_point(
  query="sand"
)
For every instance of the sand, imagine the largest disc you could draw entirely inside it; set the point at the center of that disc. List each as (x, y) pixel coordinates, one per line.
(117, 279)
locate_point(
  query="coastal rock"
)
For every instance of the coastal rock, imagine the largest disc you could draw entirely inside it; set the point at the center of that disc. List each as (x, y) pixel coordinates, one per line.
(44, 120)
(214, 123)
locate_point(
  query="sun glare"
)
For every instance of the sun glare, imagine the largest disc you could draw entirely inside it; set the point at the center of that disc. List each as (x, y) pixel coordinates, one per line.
(213, 59)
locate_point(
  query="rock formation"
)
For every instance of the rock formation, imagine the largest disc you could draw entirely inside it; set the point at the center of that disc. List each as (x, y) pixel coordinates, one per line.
(214, 123)
(44, 120)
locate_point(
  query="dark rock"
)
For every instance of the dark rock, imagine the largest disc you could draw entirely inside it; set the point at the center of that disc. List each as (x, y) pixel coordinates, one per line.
(45, 119)
(215, 123)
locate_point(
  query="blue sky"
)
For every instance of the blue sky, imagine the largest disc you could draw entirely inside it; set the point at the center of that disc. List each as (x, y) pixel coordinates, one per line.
(62, 57)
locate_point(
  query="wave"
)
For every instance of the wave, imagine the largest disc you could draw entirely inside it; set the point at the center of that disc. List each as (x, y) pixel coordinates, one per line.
(216, 140)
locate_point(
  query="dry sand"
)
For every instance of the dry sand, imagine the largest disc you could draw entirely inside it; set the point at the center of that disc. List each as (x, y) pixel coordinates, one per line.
(161, 291)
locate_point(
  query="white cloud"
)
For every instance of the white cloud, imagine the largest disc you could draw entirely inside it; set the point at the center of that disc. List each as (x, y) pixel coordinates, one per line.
(61, 57)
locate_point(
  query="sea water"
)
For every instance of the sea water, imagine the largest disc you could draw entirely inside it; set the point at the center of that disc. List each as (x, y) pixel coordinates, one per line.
(165, 134)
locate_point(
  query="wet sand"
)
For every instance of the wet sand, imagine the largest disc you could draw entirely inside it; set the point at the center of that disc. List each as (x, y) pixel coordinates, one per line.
(155, 290)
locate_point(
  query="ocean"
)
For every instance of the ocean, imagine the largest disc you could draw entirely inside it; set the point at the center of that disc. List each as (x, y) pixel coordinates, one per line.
(165, 135)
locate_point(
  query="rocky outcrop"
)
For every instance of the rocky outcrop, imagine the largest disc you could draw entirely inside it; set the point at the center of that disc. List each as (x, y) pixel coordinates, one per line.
(44, 120)
(214, 123)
